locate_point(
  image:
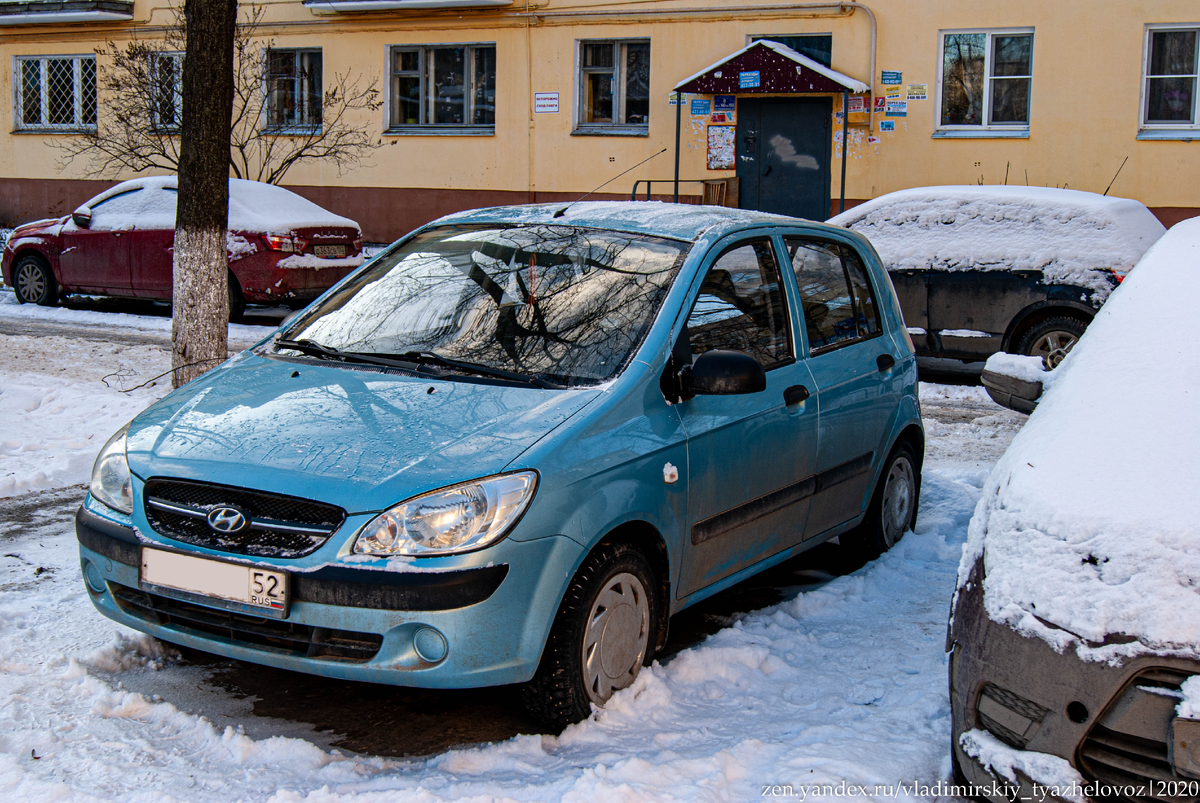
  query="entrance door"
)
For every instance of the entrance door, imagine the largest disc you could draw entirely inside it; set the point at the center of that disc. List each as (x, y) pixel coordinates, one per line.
(784, 148)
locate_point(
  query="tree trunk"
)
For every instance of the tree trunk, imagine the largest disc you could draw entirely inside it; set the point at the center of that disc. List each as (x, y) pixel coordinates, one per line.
(200, 293)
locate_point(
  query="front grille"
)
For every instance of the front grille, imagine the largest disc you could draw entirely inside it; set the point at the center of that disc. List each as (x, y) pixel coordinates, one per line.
(273, 635)
(1127, 747)
(280, 526)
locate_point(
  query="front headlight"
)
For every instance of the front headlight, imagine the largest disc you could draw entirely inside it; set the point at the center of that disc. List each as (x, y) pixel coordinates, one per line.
(111, 483)
(455, 519)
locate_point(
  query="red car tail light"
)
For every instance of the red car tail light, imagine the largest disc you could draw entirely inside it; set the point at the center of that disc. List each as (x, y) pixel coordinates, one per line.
(299, 245)
(278, 242)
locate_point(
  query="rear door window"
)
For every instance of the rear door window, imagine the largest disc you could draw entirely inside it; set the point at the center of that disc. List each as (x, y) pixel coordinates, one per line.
(836, 297)
(741, 306)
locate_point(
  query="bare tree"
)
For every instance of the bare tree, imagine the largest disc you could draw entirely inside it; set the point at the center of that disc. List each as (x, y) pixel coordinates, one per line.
(139, 117)
(200, 291)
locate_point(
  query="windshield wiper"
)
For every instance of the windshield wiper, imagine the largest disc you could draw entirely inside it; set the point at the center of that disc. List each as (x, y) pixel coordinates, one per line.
(476, 368)
(314, 349)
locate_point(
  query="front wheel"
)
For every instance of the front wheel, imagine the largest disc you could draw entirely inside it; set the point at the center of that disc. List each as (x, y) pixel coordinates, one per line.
(893, 509)
(34, 282)
(602, 636)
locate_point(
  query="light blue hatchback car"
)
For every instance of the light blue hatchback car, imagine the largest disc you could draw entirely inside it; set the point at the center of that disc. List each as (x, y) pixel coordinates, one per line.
(511, 446)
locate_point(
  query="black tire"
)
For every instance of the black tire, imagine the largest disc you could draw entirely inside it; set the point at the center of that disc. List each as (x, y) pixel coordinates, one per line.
(1052, 339)
(237, 301)
(893, 509)
(34, 282)
(559, 693)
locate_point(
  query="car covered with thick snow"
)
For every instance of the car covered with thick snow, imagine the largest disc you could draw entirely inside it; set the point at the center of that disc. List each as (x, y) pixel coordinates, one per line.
(979, 270)
(282, 248)
(512, 445)
(1075, 632)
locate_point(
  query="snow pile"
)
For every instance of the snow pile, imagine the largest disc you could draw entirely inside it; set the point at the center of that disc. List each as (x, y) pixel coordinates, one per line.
(1088, 524)
(253, 207)
(1027, 369)
(1041, 768)
(1189, 707)
(1070, 236)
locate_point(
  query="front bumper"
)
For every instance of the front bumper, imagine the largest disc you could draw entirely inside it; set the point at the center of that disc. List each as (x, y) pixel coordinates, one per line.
(1110, 722)
(351, 623)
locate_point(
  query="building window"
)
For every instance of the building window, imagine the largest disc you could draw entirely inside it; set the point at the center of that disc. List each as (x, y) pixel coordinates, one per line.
(444, 86)
(1169, 78)
(56, 93)
(166, 91)
(614, 87)
(985, 81)
(294, 90)
(817, 46)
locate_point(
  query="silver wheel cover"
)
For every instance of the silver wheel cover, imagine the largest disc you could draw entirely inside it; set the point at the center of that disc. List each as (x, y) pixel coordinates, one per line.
(616, 634)
(30, 282)
(899, 489)
(1052, 347)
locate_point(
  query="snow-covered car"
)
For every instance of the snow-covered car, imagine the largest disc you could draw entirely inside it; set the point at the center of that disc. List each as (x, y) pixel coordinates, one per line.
(980, 270)
(515, 443)
(1075, 631)
(282, 248)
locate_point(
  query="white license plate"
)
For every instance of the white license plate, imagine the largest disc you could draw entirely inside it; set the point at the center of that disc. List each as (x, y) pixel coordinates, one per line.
(249, 585)
(329, 250)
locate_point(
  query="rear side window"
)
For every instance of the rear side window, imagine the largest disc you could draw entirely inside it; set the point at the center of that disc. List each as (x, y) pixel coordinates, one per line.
(741, 306)
(835, 293)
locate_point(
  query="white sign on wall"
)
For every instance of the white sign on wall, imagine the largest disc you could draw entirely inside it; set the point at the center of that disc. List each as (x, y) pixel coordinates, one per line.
(545, 103)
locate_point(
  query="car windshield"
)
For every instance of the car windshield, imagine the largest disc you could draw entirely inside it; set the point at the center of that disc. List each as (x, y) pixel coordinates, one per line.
(562, 304)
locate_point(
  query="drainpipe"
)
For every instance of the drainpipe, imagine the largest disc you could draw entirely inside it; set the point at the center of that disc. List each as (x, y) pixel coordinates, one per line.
(845, 145)
(678, 123)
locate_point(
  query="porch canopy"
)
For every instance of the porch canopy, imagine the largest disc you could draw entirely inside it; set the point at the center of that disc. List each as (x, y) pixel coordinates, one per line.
(766, 67)
(780, 70)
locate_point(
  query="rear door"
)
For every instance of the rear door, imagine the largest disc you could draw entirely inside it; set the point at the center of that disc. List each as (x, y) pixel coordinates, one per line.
(152, 249)
(851, 361)
(912, 292)
(750, 457)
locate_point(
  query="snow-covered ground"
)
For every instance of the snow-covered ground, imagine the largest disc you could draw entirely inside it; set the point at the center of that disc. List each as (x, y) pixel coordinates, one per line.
(844, 682)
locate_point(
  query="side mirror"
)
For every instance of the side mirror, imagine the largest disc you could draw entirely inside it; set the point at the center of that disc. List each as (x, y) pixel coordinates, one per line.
(82, 217)
(723, 373)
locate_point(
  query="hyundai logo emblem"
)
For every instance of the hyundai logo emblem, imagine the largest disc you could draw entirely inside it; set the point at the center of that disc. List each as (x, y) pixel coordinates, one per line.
(227, 519)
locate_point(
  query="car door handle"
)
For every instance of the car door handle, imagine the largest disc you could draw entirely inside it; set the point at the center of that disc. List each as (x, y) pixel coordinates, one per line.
(767, 172)
(795, 394)
(885, 361)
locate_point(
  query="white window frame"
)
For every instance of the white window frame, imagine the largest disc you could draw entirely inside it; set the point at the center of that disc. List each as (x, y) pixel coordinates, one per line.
(44, 126)
(301, 98)
(152, 77)
(581, 73)
(423, 66)
(1184, 131)
(983, 129)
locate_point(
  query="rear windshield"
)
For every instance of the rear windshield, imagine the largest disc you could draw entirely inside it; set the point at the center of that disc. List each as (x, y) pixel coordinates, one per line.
(565, 304)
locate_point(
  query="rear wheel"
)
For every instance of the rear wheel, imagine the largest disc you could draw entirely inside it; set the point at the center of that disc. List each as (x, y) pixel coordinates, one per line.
(602, 636)
(893, 509)
(34, 282)
(1052, 339)
(237, 302)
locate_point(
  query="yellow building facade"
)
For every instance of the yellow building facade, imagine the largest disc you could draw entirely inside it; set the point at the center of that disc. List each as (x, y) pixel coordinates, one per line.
(488, 102)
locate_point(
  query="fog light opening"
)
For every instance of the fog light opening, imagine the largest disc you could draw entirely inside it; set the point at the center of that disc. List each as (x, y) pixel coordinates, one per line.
(1077, 712)
(430, 645)
(92, 578)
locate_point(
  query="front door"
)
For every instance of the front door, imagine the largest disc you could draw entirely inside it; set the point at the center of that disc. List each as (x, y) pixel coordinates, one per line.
(750, 457)
(970, 310)
(783, 152)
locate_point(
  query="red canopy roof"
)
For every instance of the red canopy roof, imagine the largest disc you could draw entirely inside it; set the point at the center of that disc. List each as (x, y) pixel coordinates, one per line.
(779, 68)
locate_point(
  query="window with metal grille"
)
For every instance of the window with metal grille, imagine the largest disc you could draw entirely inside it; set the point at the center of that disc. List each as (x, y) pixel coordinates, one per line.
(614, 87)
(1170, 79)
(452, 87)
(56, 93)
(166, 91)
(294, 92)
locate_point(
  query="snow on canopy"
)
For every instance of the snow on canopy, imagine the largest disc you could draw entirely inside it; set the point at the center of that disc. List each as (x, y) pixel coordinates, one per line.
(851, 84)
(253, 207)
(1070, 236)
(1088, 524)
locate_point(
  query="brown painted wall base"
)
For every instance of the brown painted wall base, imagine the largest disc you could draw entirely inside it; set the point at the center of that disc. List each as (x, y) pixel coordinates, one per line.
(383, 213)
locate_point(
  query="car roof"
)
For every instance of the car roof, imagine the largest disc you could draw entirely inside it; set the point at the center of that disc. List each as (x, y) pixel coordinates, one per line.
(687, 222)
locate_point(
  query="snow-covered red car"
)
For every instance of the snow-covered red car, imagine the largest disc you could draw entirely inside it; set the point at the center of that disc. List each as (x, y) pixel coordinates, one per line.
(282, 248)
(979, 270)
(1075, 633)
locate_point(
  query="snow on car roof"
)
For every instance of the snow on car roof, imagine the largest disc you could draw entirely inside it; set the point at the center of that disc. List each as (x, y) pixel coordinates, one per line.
(1089, 523)
(253, 206)
(1066, 234)
(677, 221)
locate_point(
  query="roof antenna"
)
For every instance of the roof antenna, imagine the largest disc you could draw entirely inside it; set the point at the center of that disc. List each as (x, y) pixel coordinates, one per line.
(563, 211)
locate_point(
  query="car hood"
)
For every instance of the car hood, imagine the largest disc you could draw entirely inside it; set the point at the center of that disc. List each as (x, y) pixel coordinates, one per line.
(47, 226)
(355, 438)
